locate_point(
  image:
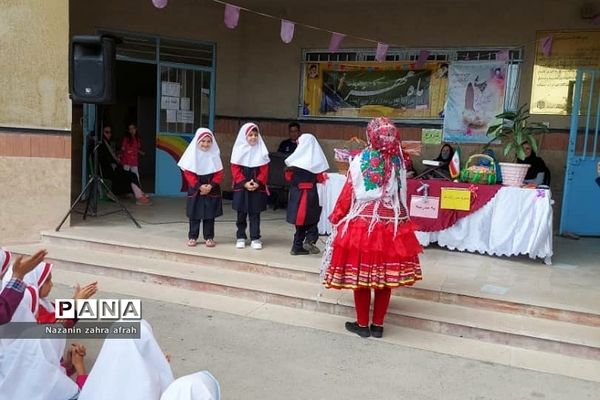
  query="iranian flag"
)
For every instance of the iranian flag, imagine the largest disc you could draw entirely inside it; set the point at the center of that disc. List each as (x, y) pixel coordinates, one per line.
(455, 164)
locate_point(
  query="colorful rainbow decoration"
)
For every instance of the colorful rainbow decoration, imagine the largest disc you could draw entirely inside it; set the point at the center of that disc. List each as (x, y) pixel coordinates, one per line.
(174, 146)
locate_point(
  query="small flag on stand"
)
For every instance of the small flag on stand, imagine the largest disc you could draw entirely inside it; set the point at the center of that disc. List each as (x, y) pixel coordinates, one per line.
(287, 31)
(382, 49)
(232, 16)
(455, 164)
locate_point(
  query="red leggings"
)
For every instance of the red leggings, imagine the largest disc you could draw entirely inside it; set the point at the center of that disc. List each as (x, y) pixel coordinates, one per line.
(362, 303)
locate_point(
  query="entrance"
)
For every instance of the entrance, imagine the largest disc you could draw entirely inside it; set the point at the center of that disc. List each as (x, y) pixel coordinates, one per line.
(580, 213)
(166, 87)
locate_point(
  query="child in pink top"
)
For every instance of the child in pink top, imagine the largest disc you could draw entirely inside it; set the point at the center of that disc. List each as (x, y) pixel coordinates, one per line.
(130, 148)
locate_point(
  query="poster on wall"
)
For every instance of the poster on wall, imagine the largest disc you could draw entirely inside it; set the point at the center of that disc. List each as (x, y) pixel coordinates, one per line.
(554, 74)
(475, 97)
(370, 89)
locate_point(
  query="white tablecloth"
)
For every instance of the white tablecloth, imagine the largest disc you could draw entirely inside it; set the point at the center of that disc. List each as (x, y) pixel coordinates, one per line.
(328, 194)
(516, 221)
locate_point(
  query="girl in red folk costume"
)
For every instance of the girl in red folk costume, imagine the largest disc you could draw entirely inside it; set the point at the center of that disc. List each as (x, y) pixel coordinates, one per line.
(307, 166)
(373, 245)
(203, 171)
(250, 171)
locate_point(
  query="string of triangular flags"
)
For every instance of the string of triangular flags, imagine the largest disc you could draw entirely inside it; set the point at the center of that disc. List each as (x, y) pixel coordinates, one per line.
(231, 19)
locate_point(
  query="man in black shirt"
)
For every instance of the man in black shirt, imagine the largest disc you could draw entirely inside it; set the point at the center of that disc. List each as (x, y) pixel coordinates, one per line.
(289, 145)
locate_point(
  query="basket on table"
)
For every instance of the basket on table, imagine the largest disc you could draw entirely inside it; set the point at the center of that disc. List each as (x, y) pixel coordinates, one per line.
(344, 155)
(479, 174)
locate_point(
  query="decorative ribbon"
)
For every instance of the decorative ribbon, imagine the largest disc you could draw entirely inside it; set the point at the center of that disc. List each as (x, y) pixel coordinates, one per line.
(473, 189)
(425, 189)
(540, 194)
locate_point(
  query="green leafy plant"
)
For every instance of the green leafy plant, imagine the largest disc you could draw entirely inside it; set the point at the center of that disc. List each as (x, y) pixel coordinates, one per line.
(514, 130)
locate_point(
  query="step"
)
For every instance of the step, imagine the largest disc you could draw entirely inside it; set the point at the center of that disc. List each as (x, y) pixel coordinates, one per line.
(307, 269)
(524, 331)
(429, 341)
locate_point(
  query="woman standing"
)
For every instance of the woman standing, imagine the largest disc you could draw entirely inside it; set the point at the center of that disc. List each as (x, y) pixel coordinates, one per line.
(373, 244)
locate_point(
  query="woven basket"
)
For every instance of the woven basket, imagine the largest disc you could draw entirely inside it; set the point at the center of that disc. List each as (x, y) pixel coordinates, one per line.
(513, 174)
(479, 174)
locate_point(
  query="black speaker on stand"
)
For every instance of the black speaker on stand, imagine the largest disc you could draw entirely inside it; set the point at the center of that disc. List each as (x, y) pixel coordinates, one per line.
(92, 81)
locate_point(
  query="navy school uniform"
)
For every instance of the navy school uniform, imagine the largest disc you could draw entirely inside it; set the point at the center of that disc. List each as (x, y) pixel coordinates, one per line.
(203, 207)
(303, 209)
(246, 203)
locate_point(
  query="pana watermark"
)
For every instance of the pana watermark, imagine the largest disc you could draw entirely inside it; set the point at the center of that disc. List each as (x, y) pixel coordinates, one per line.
(98, 309)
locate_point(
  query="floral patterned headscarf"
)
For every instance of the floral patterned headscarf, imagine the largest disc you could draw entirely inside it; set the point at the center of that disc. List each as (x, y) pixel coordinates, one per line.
(383, 135)
(382, 155)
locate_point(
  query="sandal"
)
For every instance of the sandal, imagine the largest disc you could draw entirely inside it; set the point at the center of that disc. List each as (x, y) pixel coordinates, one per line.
(210, 243)
(192, 243)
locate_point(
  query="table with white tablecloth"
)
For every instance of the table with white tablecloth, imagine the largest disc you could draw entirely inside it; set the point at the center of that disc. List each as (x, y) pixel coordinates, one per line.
(515, 221)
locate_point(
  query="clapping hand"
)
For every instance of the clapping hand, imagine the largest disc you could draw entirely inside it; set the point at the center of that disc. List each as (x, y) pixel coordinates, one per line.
(86, 292)
(23, 266)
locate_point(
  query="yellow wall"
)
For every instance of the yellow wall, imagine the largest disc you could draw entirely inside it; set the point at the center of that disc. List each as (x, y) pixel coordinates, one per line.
(35, 117)
(34, 37)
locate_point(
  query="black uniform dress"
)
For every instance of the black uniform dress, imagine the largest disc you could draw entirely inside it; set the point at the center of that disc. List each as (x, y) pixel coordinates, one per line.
(303, 208)
(249, 204)
(204, 208)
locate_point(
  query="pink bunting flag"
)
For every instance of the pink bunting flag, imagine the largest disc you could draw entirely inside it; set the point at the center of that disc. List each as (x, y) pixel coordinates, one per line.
(287, 31)
(336, 41)
(160, 3)
(502, 55)
(546, 45)
(232, 16)
(382, 49)
(423, 55)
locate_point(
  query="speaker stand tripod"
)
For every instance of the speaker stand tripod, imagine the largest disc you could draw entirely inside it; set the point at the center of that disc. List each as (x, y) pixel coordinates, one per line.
(90, 190)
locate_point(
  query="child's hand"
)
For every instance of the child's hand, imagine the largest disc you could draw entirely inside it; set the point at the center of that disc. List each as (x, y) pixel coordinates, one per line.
(168, 357)
(77, 354)
(86, 292)
(249, 186)
(23, 266)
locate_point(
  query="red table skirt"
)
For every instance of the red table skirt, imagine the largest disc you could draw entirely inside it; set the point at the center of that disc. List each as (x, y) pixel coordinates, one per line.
(481, 194)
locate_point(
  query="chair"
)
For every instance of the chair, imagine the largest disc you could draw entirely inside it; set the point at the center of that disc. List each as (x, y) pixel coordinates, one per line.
(277, 183)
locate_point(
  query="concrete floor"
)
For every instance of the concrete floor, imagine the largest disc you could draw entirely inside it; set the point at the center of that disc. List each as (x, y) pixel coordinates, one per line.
(258, 359)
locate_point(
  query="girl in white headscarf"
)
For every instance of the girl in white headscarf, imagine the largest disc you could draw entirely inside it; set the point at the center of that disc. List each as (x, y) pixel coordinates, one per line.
(250, 171)
(132, 369)
(203, 172)
(199, 386)
(30, 369)
(307, 165)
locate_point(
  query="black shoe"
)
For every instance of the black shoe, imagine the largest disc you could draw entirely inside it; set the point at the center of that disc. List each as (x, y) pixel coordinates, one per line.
(312, 248)
(362, 331)
(376, 331)
(299, 252)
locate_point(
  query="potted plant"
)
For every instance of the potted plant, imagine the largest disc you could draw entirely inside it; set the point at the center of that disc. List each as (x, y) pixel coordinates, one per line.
(514, 130)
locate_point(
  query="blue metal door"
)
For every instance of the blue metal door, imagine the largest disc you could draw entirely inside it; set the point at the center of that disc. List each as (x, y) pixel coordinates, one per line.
(581, 201)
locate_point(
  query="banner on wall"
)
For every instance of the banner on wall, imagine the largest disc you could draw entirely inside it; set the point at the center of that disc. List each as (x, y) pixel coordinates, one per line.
(368, 89)
(475, 97)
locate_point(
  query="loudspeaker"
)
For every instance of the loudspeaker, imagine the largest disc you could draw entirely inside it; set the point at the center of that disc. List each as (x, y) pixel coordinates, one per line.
(92, 77)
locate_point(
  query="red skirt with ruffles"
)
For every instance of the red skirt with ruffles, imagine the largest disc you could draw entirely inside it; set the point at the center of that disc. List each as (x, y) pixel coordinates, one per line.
(376, 260)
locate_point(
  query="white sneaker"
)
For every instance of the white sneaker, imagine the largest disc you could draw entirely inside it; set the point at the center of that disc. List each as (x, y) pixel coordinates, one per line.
(256, 244)
(240, 244)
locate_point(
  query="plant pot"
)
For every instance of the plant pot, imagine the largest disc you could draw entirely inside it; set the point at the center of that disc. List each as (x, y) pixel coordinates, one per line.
(513, 174)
